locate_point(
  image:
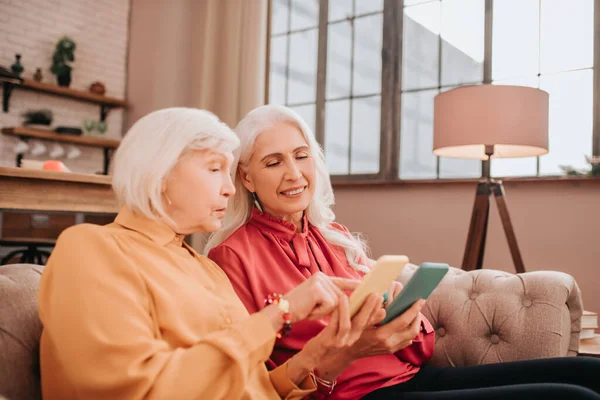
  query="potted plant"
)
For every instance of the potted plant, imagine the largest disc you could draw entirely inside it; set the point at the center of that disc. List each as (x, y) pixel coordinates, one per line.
(64, 55)
(37, 117)
(594, 170)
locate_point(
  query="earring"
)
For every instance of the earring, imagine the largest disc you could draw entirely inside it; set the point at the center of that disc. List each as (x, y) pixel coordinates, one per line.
(168, 199)
(256, 202)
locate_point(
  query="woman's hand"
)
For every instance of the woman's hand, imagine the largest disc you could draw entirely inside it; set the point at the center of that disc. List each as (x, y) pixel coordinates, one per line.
(395, 335)
(318, 296)
(329, 351)
(395, 288)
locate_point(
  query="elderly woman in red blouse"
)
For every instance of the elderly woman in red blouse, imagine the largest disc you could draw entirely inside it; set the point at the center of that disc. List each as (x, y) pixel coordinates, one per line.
(280, 230)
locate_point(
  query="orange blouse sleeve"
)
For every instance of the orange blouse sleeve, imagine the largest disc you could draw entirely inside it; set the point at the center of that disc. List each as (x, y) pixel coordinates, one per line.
(223, 255)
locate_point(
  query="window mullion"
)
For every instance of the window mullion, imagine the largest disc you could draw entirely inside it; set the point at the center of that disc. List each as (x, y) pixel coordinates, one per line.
(391, 84)
(439, 82)
(487, 56)
(596, 89)
(351, 102)
(287, 53)
(321, 72)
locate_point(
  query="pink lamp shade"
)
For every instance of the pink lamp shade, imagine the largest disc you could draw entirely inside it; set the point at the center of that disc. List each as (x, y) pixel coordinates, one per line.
(514, 119)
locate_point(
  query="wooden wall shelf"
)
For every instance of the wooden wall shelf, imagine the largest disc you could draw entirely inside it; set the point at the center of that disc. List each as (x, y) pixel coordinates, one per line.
(34, 190)
(28, 133)
(104, 102)
(24, 132)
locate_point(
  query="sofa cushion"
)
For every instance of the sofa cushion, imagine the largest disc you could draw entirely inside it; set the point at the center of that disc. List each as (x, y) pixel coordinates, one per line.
(487, 316)
(20, 331)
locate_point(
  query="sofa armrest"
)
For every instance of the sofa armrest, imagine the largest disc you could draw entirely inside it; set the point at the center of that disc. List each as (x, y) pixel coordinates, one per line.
(486, 316)
(20, 331)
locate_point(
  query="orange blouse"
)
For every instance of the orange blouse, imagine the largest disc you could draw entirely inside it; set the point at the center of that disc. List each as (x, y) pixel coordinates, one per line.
(130, 311)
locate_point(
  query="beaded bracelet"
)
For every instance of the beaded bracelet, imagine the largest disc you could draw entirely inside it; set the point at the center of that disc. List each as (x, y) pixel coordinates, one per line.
(283, 305)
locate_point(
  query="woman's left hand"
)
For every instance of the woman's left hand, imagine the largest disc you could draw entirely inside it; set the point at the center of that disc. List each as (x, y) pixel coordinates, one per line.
(328, 352)
(395, 288)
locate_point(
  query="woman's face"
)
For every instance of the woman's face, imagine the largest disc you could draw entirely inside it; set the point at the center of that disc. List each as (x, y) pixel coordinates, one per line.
(281, 170)
(199, 187)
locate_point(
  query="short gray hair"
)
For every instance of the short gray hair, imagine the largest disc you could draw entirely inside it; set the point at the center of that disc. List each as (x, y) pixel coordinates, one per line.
(152, 147)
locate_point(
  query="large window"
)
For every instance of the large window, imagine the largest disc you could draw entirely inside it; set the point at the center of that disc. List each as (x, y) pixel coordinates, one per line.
(294, 54)
(353, 86)
(364, 73)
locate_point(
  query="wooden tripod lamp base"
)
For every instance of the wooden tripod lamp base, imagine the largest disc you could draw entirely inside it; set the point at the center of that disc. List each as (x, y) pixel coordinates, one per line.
(475, 247)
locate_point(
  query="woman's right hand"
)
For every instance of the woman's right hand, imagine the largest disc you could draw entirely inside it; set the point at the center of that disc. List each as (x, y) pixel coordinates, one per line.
(388, 339)
(329, 353)
(318, 296)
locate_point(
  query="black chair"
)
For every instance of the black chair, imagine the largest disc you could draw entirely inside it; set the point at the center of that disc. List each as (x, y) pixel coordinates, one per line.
(31, 251)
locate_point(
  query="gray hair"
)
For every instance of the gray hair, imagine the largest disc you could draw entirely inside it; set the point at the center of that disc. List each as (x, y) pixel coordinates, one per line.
(152, 147)
(319, 212)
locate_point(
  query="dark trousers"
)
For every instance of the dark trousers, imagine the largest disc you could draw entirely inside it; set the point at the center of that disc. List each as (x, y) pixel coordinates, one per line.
(556, 378)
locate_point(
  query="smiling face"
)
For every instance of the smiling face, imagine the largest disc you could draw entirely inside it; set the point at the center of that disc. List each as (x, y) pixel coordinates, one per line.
(281, 171)
(199, 186)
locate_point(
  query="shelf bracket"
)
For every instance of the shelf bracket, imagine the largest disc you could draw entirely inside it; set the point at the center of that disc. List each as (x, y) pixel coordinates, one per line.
(7, 88)
(104, 109)
(20, 156)
(106, 160)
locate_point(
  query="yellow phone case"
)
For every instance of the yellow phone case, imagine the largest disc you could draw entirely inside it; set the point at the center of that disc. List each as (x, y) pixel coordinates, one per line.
(378, 280)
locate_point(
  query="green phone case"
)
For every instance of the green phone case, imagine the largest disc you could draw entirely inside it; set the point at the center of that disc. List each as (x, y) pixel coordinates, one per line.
(420, 286)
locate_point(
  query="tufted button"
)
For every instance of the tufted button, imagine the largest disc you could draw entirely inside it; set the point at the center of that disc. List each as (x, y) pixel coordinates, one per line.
(441, 331)
(527, 303)
(473, 296)
(495, 339)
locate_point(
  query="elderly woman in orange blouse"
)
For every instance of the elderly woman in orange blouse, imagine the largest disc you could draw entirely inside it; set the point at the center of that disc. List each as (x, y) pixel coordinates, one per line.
(280, 232)
(130, 311)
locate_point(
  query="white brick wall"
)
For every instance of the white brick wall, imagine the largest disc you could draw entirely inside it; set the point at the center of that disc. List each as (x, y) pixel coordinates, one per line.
(100, 31)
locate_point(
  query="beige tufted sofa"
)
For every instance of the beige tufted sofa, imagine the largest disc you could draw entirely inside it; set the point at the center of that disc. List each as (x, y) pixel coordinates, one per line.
(20, 331)
(480, 317)
(487, 316)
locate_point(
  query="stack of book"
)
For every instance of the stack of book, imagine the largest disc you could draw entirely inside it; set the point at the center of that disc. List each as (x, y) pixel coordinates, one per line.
(589, 324)
(589, 340)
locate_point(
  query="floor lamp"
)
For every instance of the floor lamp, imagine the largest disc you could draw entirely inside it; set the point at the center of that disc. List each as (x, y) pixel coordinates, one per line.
(486, 122)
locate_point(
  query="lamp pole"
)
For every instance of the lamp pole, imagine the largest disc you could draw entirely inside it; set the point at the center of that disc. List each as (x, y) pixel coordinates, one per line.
(486, 165)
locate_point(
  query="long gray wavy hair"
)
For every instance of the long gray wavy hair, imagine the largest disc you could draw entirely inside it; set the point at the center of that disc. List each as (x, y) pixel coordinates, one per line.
(319, 212)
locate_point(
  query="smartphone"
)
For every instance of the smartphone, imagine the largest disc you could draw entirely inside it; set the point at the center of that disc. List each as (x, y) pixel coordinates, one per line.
(420, 286)
(378, 280)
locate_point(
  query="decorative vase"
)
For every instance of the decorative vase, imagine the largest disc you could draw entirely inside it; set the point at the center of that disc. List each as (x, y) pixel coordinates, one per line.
(64, 79)
(101, 127)
(38, 75)
(98, 88)
(17, 67)
(88, 126)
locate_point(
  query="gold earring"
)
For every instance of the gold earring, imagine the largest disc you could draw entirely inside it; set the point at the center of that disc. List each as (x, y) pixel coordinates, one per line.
(168, 199)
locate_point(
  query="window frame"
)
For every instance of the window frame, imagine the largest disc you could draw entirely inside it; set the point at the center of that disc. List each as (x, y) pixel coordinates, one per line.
(391, 92)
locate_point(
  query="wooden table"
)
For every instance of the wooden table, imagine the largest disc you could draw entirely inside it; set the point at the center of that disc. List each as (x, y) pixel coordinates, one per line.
(590, 347)
(36, 190)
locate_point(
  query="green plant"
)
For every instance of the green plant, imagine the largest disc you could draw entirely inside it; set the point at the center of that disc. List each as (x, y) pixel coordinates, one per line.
(594, 168)
(64, 55)
(40, 117)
